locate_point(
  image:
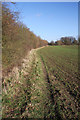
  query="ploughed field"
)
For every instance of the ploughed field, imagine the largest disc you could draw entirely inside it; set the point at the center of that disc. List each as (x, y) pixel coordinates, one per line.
(45, 86)
(61, 69)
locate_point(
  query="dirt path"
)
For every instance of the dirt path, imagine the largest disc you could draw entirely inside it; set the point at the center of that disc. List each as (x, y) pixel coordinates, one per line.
(41, 98)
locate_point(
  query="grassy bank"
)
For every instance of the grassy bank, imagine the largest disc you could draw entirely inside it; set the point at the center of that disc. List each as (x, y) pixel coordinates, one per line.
(25, 93)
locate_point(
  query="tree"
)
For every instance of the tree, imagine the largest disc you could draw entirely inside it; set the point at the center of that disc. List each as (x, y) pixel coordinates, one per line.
(51, 43)
(68, 40)
(75, 42)
(17, 39)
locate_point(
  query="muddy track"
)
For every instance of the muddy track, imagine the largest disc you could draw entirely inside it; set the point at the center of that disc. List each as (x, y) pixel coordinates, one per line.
(48, 81)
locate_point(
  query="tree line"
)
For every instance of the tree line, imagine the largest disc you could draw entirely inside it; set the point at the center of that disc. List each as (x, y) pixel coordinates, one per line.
(17, 39)
(65, 41)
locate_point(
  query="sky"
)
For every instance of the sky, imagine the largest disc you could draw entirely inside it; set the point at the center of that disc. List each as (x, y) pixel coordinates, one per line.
(41, 0)
(49, 20)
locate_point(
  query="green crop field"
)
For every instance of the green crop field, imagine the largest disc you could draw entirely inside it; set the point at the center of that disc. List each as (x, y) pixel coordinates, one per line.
(61, 66)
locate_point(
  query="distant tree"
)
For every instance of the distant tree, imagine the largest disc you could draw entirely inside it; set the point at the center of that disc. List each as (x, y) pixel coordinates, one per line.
(75, 42)
(58, 42)
(68, 40)
(51, 43)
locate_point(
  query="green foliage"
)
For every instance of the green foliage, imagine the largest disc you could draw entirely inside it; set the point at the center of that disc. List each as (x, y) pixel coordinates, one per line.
(65, 41)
